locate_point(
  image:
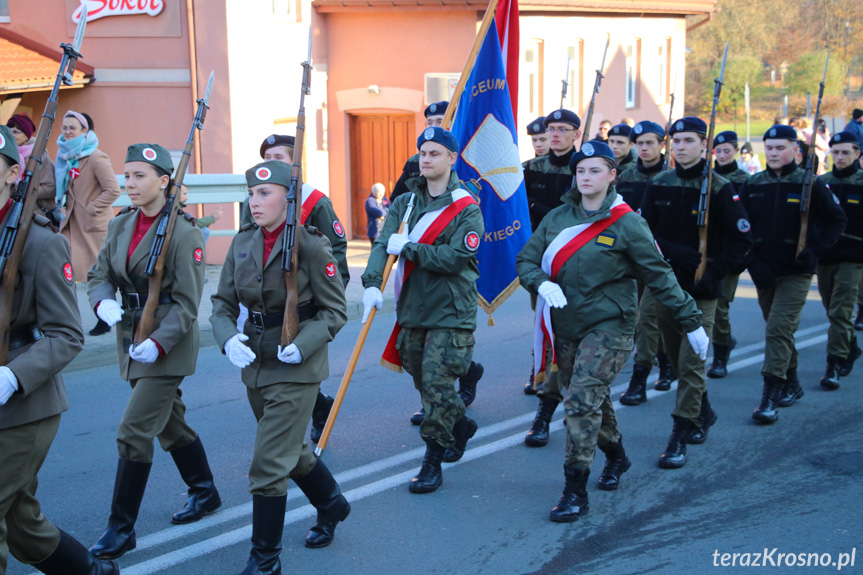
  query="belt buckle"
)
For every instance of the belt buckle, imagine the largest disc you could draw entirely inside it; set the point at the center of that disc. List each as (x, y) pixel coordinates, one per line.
(257, 319)
(133, 301)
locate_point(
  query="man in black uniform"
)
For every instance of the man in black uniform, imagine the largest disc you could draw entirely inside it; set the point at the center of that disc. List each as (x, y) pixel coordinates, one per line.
(772, 200)
(724, 150)
(621, 145)
(538, 138)
(434, 114)
(670, 207)
(840, 268)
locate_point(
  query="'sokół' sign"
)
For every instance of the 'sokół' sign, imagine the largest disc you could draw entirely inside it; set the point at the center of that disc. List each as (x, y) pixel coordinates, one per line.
(101, 8)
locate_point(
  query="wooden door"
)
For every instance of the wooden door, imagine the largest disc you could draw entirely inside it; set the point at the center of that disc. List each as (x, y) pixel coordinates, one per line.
(380, 146)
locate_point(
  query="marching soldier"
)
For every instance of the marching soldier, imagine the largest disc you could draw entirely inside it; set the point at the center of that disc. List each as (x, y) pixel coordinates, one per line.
(436, 309)
(281, 383)
(587, 304)
(670, 208)
(839, 268)
(724, 150)
(648, 138)
(44, 336)
(156, 367)
(546, 179)
(317, 211)
(538, 138)
(621, 144)
(772, 200)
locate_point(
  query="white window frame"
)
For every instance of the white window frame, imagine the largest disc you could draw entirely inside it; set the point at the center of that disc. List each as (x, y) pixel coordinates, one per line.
(531, 79)
(574, 52)
(436, 79)
(631, 72)
(4, 12)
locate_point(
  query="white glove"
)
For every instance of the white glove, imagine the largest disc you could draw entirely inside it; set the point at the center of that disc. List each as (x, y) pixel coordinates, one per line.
(699, 341)
(372, 298)
(552, 294)
(109, 311)
(8, 384)
(396, 243)
(239, 353)
(290, 354)
(146, 352)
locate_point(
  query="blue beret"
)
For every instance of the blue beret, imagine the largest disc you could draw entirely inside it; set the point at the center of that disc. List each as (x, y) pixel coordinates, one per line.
(443, 137)
(620, 130)
(269, 172)
(436, 109)
(274, 140)
(781, 132)
(563, 117)
(8, 145)
(688, 124)
(592, 149)
(647, 127)
(844, 138)
(536, 127)
(727, 137)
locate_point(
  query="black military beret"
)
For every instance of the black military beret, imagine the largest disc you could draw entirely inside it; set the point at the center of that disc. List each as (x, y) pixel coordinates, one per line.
(781, 132)
(443, 137)
(620, 130)
(269, 172)
(727, 137)
(536, 127)
(647, 127)
(592, 149)
(274, 140)
(436, 109)
(152, 154)
(563, 117)
(8, 145)
(844, 138)
(688, 124)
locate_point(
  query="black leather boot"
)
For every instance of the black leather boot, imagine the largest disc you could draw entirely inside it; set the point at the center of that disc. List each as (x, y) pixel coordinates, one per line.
(72, 558)
(666, 373)
(268, 521)
(430, 476)
(721, 353)
(768, 410)
(831, 375)
(847, 364)
(467, 384)
(324, 494)
(858, 321)
(706, 418)
(538, 434)
(418, 416)
(636, 393)
(616, 464)
(194, 468)
(573, 502)
(674, 455)
(129, 487)
(464, 429)
(101, 328)
(791, 391)
(323, 405)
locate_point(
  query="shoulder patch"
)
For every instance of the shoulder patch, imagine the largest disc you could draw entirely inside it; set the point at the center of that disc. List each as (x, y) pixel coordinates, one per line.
(743, 225)
(68, 273)
(471, 241)
(198, 254)
(330, 270)
(338, 228)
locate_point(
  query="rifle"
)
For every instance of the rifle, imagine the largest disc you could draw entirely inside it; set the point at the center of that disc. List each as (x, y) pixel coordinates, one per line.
(707, 177)
(23, 200)
(565, 80)
(290, 249)
(808, 180)
(669, 161)
(585, 137)
(155, 268)
(358, 347)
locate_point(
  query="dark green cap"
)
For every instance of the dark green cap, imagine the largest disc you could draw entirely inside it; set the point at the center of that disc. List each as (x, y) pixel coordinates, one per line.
(272, 172)
(8, 145)
(152, 154)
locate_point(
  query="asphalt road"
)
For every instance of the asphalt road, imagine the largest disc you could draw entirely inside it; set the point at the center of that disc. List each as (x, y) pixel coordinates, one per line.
(794, 486)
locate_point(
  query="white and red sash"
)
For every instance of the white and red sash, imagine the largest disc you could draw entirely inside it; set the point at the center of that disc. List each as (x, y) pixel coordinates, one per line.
(426, 231)
(310, 197)
(556, 254)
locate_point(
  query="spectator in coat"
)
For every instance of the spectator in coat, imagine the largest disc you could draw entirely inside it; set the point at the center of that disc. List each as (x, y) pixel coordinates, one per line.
(377, 206)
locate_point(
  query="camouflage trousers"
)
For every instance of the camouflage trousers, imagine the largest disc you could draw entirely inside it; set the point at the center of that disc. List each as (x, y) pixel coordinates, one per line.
(722, 321)
(435, 358)
(838, 286)
(691, 375)
(782, 308)
(588, 368)
(647, 340)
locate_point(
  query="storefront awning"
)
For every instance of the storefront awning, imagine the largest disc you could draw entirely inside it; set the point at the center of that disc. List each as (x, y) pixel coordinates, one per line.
(27, 66)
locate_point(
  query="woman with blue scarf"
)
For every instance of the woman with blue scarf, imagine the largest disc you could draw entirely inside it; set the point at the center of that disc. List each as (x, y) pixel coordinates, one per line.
(86, 190)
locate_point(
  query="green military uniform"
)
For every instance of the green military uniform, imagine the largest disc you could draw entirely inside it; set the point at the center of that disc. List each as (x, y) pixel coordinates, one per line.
(437, 305)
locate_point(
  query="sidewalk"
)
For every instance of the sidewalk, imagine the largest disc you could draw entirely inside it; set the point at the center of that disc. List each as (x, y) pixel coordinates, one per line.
(102, 350)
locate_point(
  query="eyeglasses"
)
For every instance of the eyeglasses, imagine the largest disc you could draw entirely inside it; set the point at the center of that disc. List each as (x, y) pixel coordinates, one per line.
(559, 130)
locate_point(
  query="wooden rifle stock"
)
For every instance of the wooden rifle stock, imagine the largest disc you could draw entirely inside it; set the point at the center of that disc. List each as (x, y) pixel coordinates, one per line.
(809, 177)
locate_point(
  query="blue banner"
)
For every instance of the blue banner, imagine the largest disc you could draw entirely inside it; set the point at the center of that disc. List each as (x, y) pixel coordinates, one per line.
(490, 168)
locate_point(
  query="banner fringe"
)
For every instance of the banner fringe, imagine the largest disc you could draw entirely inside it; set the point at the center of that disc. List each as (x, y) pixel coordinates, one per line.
(490, 308)
(392, 366)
